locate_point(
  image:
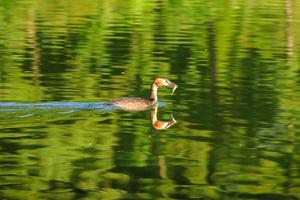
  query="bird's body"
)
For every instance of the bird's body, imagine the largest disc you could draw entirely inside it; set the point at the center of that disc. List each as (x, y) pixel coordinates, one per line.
(130, 103)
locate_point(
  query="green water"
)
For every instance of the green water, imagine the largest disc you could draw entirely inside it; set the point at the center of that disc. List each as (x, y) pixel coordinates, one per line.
(237, 65)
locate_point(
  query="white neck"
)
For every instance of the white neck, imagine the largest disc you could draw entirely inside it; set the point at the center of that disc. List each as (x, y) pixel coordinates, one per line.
(153, 93)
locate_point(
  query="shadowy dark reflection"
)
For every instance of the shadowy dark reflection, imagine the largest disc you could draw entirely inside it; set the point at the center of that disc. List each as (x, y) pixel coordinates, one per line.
(162, 167)
(156, 123)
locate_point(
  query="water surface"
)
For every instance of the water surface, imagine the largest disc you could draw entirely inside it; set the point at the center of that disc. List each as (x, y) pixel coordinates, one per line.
(237, 106)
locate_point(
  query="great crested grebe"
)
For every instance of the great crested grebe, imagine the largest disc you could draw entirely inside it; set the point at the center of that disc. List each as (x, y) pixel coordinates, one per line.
(129, 103)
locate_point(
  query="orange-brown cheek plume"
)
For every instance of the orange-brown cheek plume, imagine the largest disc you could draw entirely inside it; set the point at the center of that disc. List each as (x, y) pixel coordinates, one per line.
(158, 125)
(158, 83)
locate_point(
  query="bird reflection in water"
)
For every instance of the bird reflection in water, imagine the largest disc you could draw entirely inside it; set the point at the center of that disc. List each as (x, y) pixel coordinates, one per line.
(160, 125)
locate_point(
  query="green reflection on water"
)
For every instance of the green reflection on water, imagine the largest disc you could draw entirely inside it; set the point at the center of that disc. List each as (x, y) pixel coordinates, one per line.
(237, 105)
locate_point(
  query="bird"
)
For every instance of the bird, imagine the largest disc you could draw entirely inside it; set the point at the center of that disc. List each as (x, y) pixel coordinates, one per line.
(138, 104)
